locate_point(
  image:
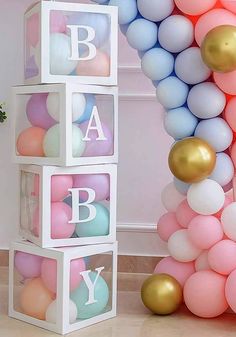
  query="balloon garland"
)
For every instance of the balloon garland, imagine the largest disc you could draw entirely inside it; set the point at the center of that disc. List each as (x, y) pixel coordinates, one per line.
(188, 50)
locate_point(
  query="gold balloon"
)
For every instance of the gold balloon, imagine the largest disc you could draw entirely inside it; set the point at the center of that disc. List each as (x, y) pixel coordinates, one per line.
(219, 49)
(162, 294)
(192, 160)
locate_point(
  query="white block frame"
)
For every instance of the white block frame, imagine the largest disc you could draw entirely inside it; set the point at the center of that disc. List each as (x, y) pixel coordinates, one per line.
(63, 257)
(44, 8)
(44, 240)
(65, 91)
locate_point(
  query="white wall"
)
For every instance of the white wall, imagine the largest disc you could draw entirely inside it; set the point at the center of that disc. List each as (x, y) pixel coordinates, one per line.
(143, 170)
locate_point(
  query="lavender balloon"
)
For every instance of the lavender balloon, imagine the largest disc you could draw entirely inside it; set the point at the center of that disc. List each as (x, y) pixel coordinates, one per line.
(37, 112)
(100, 183)
(28, 265)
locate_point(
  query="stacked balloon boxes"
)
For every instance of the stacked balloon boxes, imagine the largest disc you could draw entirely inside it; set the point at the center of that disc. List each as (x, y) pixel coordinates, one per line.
(65, 140)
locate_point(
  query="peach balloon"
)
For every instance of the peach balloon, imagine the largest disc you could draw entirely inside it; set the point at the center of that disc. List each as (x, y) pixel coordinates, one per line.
(233, 153)
(98, 66)
(30, 142)
(201, 262)
(212, 19)
(230, 113)
(229, 4)
(204, 294)
(226, 82)
(221, 257)
(35, 299)
(184, 214)
(195, 7)
(181, 271)
(167, 225)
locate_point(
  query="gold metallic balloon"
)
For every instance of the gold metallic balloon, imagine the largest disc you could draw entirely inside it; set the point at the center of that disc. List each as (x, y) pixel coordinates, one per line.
(162, 294)
(192, 160)
(219, 49)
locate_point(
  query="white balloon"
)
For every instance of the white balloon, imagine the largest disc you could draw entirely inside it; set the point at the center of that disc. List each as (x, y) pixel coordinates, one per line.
(51, 313)
(155, 10)
(176, 33)
(206, 197)
(201, 262)
(60, 51)
(53, 105)
(190, 68)
(228, 220)
(181, 248)
(206, 100)
(171, 198)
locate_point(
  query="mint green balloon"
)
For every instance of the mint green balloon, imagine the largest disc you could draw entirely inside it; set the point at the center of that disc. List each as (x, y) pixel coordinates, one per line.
(80, 297)
(51, 143)
(99, 226)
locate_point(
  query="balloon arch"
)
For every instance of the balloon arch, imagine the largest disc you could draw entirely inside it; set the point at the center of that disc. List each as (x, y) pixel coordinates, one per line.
(188, 50)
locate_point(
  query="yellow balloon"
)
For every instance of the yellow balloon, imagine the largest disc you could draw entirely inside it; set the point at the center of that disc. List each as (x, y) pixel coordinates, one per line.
(192, 160)
(162, 294)
(219, 49)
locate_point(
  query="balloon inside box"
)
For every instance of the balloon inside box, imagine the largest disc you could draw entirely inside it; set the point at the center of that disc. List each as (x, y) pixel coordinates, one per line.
(62, 289)
(68, 206)
(68, 41)
(65, 124)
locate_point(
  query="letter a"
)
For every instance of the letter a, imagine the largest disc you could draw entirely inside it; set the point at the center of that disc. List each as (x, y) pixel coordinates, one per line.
(98, 126)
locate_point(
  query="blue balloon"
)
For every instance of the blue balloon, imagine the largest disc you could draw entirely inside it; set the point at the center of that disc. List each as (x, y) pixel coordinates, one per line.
(90, 103)
(101, 2)
(80, 297)
(127, 10)
(157, 64)
(172, 92)
(142, 34)
(224, 169)
(180, 123)
(181, 186)
(99, 226)
(124, 28)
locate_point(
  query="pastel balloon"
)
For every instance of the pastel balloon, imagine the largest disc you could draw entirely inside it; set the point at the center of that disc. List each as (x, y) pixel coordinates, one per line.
(94, 147)
(61, 214)
(204, 294)
(35, 299)
(32, 30)
(176, 33)
(190, 68)
(181, 271)
(167, 225)
(99, 226)
(205, 231)
(155, 10)
(206, 197)
(142, 34)
(201, 262)
(226, 82)
(60, 50)
(58, 22)
(216, 132)
(28, 265)
(171, 198)
(157, 64)
(30, 142)
(127, 11)
(99, 183)
(228, 220)
(212, 19)
(229, 4)
(185, 214)
(172, 92)
(51, 143)
(230, 290)
(181, 186)
(221, 257)
(81, 294)
(49, 273)
(180, 123)
(90, 103)
(195, 7)
(98, 66)
(224, 169)
(51, 313)
(36, 111)
(230, 113)
(206, 100)
(228, 201)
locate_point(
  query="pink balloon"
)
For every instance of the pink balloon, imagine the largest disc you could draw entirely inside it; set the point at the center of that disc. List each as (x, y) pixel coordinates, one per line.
(205, 231)
(181, 271)
(58, 22)
(28, 265)
(195, 7)
(201, 262)
(98, 66)
(212, 19)
(226, 81)
(96, 147)
(100, 183)
(230, 290)
(49, 273)
(185, 214)
(230, 113)
(167, 225)
(32, 30)
(221, 257)
(204, 294)
(229, 4)
(233, 153)
(228, 201)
